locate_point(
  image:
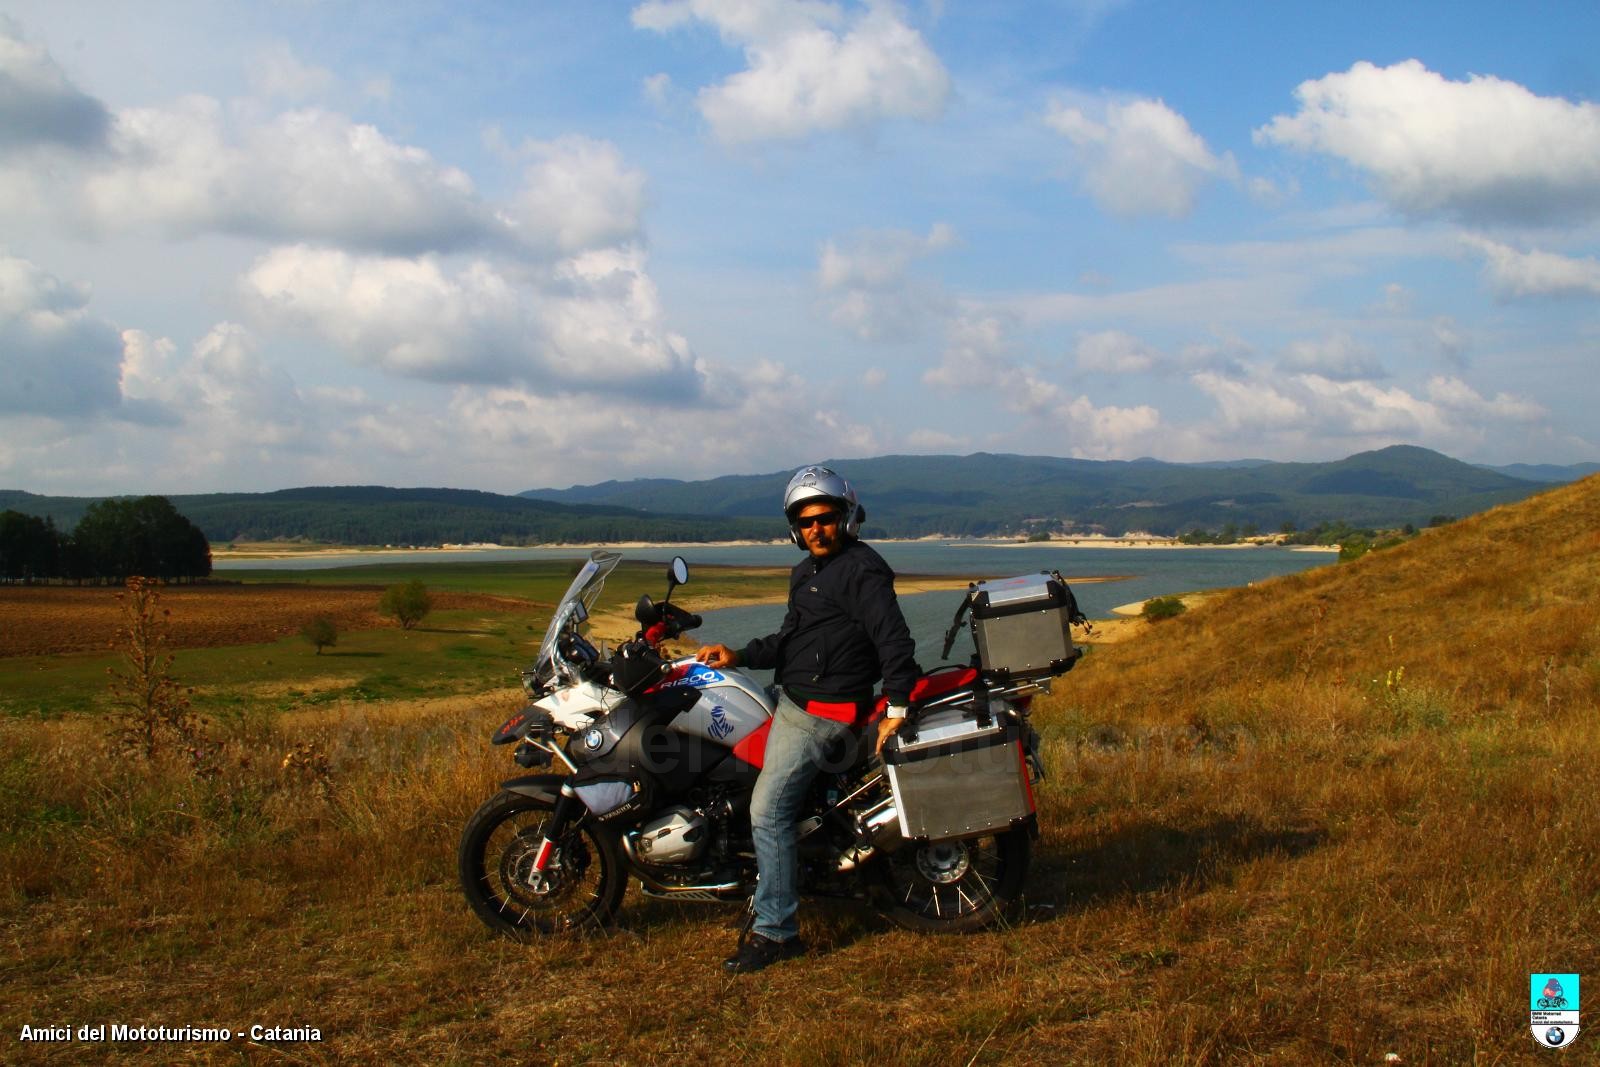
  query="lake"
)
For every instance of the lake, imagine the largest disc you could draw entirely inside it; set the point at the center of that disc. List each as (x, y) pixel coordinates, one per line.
(1150, 572)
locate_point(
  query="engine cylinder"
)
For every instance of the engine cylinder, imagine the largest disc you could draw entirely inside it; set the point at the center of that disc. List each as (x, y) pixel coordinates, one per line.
(676, 836)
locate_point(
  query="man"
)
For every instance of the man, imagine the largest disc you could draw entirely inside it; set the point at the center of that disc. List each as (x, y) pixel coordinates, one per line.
(842, 633)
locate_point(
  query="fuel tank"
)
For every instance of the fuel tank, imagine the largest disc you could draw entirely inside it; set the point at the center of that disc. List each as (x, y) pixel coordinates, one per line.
(733, 711)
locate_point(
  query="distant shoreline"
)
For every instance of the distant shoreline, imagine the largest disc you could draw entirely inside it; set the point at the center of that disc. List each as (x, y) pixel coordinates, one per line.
(257, 550)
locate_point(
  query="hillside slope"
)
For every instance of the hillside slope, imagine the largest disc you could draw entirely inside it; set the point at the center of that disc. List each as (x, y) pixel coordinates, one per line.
(1475, 609)
(1309, 814)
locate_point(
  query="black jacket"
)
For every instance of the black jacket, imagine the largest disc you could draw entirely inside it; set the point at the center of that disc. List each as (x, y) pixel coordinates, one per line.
(843, 631)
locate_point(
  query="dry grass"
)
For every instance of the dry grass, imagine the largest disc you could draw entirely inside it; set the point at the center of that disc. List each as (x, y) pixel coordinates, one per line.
(1336, 815)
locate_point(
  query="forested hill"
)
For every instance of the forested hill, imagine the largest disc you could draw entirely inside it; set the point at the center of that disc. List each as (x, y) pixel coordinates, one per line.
(376, 515)
(906, 496)
(980, 494)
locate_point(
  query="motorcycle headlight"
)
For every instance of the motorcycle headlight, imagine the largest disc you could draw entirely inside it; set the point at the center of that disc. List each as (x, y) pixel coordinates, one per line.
(529, 755)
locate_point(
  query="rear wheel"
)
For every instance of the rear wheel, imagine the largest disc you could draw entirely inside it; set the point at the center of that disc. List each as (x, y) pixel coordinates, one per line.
(580, 889)
(956, 886)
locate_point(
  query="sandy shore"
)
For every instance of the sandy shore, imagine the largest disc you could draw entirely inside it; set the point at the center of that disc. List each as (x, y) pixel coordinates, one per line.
(1139, 543)
(276, 551)
(272, 550)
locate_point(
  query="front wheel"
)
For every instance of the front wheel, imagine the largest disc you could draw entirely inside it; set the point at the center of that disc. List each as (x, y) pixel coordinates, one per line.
(955, 886)
(581, 887)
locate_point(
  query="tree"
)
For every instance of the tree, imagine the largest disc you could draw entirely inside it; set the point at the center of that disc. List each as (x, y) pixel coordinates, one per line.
(30, 547)
(408, 602)
(321, 632)
(119, 537)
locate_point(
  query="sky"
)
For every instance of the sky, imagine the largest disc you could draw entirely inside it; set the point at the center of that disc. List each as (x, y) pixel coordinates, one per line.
(501, 246)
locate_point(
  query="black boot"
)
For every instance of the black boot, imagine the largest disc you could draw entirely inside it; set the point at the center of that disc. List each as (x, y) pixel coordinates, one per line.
(756, 952)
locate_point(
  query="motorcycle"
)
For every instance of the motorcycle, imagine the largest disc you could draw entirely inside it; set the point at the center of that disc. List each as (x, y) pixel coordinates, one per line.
(653, 763)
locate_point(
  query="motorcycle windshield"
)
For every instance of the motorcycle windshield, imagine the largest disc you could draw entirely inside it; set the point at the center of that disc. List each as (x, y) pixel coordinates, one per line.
(580, 598)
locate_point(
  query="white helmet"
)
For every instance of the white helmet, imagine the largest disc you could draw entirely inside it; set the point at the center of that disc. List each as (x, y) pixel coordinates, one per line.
(819, 485)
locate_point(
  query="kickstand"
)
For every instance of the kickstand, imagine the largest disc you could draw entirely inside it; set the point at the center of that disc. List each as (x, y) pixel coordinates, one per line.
(749, 922)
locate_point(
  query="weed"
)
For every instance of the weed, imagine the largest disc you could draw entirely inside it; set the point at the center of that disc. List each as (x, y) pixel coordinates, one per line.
(159, 717)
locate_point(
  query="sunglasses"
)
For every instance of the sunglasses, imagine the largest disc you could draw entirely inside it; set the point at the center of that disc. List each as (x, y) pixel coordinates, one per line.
(827, 518)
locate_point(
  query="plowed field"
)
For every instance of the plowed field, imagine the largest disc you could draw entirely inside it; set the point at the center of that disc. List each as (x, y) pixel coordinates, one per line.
(45, 620)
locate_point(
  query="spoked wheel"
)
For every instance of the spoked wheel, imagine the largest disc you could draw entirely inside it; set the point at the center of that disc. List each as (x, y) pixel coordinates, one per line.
(956, 886)
(580, 889)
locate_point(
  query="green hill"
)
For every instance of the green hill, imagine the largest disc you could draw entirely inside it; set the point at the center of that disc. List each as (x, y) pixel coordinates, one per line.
(377, 515)
(988, 494)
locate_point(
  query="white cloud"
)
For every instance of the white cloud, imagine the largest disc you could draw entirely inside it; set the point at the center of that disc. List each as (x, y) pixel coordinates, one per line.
(278, 72)
(1114, 352)
(230, 375)
(592, 323)
(1450, 340)
(925, 440)
(809, 66)
(1338, 357)
(198, 166)
(56, 359)
(750, 420)
(1516, 274)
(977, 358)
(577, 194)
(874, 377)
(304, 175)
(867, 287)
(39, 106)
(1138, 157)
(1396, 299)
(976, 348)
(1306, 413)
(1257, 405)
(1481, 149)
(657, 89)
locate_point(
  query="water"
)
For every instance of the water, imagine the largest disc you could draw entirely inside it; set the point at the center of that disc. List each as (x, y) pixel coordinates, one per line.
(1148, 573)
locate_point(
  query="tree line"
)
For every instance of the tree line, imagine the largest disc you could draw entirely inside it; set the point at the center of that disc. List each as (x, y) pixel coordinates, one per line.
(116, 538)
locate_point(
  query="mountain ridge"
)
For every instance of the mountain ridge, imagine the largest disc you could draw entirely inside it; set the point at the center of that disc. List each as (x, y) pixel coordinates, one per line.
(979, 495)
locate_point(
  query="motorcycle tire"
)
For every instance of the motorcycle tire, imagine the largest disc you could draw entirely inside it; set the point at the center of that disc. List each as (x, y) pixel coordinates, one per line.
(582, 887)
(956, 887)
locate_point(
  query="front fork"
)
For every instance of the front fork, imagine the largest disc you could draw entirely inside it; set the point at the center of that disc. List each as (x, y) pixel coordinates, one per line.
(568, 807)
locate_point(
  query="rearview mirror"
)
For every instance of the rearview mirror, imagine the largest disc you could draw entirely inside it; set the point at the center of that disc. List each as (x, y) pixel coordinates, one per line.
(677, 574)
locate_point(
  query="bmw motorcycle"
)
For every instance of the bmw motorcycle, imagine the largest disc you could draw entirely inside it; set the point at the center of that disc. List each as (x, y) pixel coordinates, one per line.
(641, 769)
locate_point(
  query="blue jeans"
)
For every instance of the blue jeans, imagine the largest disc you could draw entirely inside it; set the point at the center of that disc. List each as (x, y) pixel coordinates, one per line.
(795, 752)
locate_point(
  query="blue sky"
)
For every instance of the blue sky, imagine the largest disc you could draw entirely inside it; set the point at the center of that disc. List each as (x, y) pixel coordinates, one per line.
(505, 245)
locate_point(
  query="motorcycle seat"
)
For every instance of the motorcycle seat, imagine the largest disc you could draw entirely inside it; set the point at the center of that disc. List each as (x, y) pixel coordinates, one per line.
(939, 682)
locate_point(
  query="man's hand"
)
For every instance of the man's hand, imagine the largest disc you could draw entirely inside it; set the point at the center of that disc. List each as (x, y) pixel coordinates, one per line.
(717, 656)
(885, 728)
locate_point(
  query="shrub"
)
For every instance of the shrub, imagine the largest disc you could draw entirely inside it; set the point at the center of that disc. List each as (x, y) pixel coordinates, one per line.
(1163, 607)
(1354, 548)
(408, 603)
(321, 632)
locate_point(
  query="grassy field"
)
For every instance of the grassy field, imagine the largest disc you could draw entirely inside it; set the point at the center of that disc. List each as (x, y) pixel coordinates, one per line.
(453, 651)
(1331, 817)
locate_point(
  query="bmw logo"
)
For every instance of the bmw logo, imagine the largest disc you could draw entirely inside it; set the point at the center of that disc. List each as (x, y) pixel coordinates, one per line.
(593, 738)
(1554, 1036)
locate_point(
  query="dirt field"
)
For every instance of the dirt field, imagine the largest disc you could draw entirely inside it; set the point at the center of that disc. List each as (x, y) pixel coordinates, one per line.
(46, 620)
